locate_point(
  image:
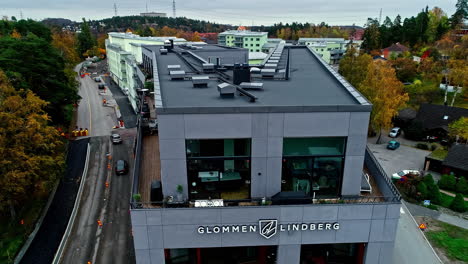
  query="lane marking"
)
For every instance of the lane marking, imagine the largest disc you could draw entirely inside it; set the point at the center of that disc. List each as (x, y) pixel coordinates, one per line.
(89, 108)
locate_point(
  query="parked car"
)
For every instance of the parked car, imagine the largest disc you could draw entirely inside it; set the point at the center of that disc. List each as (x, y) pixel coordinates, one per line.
(395, 132)
(153, 126)
(145, 111)
(97, 79)
(121, 167)
(398, 175)
(101, 86)
(393, 144)
(116, 139)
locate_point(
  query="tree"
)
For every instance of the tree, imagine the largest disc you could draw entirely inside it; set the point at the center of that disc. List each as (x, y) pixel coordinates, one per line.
(386, 94)
(458, 75)
(31, 150)
(462, 186)
(459, 128)
(422, 191)
(458, 204)
(434, 194)
(354, 66)
(405, 69)
(447, 182)
(85, 39)
(371, 37)
(460, 14)
(65, 43)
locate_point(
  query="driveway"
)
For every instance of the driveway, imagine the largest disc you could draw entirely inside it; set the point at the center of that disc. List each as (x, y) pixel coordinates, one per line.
(402, 158)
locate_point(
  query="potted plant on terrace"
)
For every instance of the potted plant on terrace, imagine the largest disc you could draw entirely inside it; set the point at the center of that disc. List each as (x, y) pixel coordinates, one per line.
(180, 193)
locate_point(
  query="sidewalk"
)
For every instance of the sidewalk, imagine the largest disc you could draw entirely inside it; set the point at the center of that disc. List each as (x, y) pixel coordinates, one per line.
(417, 210)
(452, 194)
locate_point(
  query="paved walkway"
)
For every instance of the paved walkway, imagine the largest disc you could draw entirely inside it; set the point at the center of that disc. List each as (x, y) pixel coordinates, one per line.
(417, 210)
(452, 194)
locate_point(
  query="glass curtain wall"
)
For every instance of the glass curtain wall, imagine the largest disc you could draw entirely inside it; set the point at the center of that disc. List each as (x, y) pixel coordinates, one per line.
(218, 168)
(313, 165)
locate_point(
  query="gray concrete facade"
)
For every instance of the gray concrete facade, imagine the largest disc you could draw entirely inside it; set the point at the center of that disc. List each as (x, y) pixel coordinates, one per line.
(375, 224)
(267, 131)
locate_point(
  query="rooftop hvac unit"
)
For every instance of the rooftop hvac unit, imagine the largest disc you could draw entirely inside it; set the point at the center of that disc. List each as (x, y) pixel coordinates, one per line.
(226, 90)
(208, 67)
(268, 73)
(163, 51)
(251, 86)
(241, 73)
(200, 81)
(270, 65)
(273, 61)
(177, 75)
(173, 67)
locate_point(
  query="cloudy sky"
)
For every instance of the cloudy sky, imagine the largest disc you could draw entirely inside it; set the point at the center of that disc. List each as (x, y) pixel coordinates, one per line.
(244, 12)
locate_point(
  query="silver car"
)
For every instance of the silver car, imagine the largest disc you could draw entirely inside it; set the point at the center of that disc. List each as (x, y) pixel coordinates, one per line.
(116, 139)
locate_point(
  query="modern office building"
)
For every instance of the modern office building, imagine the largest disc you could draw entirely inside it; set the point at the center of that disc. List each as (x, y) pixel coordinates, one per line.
(330, 49)
(251, 40)
(124, 53)
(259, 165)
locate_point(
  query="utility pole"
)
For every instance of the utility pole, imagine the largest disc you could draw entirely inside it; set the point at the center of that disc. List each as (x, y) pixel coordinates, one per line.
(380, 16)
(115, 9)
(173, 9)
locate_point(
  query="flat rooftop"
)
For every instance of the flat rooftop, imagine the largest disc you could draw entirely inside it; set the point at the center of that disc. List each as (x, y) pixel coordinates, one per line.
(244, 33)
(311, 85)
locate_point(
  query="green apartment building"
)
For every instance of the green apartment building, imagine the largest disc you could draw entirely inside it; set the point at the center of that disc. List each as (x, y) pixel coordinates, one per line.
(330, 49)
(253, 41)
(124, 53)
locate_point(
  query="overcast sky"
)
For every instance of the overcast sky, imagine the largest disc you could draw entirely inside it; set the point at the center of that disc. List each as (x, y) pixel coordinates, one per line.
(243, 12)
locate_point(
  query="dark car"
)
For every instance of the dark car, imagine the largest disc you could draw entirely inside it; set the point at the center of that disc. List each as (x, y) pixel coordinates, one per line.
(101, 86)
(121, 167)
(145, 111)
(393, 145)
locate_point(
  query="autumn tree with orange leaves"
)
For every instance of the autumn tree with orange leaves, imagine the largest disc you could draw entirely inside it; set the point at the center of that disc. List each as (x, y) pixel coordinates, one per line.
(382, 88)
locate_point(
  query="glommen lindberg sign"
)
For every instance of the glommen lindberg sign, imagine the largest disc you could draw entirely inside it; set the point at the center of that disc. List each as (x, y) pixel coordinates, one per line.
(267, 228)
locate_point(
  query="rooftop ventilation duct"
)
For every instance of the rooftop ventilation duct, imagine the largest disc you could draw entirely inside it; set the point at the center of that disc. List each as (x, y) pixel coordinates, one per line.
(173, 67)
(177, 75)
(200, 81)
(208, 67)
(241, 73)
(163, 51)
(273, 61)
(251, 86)
(268, 73)
(226, 90)
(270, 65)
(255, 70)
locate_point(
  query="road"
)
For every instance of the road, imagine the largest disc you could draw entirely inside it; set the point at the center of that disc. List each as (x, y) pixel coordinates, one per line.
(112, 241)
(411, 247)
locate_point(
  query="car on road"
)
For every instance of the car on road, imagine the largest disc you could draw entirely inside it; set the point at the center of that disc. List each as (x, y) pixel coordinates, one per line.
(116, 139)
(101, 86)
(395, 132)
(398, 175)
(393, 144)
(121, 167)
(145, 111)
(97, 79)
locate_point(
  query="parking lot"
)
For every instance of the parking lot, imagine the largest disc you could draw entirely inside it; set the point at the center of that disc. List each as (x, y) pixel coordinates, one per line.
(400, 159)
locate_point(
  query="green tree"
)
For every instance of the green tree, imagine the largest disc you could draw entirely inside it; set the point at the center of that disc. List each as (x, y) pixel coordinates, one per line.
(458, 204)
(447, 182)
(434, 194)
(85, 38)
(371, 37)
(354, 66)
(459, 128)
(422, 190)
(462, 186)
(460, 14)
(405, 69)
(31, 150)
(385, 92)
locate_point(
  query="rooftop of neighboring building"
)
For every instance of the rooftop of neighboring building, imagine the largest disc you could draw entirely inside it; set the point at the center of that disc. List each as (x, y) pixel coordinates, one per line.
(310, 86)
(303, 40)
(457, 157)
(396, 47)
(129, 35)
(243, 33)
(433, 116)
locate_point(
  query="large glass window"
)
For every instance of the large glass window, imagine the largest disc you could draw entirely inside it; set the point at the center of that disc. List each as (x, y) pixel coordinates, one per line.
(225, 255)
(218, 168)
(333, 253)
(313, 165)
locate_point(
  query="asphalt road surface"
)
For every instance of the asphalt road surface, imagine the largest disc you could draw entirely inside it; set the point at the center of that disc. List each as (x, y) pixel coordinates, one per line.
(47, 240)
(110, 242)
(410, 245)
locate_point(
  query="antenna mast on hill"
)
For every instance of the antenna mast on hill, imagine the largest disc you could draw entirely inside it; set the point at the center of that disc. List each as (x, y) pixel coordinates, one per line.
(115, 9)
(173, 9)
(21, 14)
(380, 16)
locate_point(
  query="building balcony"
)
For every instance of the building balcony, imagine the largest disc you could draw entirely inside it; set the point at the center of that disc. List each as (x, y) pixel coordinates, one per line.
(376, 188)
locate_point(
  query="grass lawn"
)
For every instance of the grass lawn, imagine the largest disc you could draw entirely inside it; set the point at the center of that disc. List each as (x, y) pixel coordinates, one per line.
(452, 240)
(13, 234)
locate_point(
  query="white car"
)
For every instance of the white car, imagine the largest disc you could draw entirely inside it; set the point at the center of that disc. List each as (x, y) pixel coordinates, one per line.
(395, 132)
(398, 175)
